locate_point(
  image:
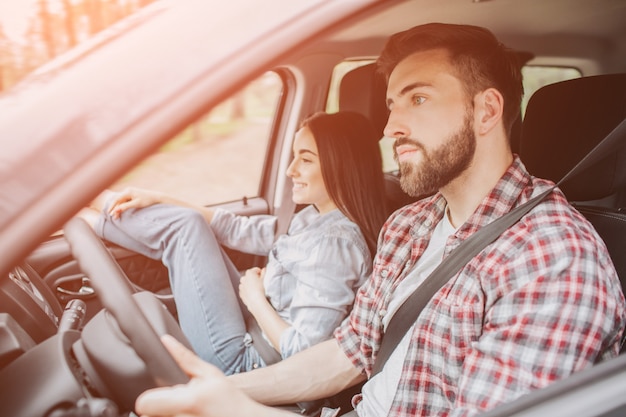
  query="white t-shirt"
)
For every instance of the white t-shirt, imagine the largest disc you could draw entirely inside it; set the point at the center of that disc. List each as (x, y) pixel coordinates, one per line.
(378, 392)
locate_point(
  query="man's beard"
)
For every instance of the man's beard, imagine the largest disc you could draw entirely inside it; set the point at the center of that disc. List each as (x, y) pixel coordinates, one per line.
(439, 166)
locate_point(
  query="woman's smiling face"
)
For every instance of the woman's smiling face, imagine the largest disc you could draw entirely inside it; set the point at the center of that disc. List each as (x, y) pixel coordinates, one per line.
(306, 173)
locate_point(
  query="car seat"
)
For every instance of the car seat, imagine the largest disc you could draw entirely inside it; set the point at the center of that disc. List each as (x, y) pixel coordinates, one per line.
(563, 122)
(364, 90)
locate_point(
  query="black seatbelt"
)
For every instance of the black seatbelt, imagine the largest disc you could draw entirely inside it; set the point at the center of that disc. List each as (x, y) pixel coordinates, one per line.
(408, 312)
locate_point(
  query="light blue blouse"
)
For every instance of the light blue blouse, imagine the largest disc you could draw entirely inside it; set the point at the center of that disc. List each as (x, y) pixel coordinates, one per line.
(312, 273)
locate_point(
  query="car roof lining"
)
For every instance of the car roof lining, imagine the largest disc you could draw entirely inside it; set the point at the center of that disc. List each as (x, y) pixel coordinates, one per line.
(581, 30)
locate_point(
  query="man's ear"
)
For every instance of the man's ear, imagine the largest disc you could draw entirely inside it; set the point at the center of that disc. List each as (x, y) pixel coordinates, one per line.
(488, 108)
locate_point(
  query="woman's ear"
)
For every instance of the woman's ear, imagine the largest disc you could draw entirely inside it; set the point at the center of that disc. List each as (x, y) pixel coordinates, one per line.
(488, 109)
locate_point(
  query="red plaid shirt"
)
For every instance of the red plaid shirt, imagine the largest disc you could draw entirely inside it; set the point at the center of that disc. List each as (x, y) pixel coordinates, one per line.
(541, 302)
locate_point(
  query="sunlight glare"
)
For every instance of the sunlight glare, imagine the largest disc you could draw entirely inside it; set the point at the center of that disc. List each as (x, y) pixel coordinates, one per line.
(14, 17)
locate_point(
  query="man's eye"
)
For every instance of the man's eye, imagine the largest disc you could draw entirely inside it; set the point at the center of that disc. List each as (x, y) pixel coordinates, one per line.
(419, 100)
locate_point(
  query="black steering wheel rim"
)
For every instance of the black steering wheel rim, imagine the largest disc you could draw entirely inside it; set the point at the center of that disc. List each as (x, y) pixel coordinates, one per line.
(112, 287)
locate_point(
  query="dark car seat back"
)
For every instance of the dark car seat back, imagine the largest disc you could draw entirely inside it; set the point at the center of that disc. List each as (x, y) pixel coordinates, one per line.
(563, 122)
(364, 91)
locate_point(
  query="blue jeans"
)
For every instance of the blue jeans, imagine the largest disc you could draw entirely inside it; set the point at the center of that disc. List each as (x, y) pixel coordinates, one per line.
(202, 278)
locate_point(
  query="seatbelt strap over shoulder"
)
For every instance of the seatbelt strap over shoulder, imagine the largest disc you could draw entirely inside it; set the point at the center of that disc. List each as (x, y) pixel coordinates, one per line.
(408, 312)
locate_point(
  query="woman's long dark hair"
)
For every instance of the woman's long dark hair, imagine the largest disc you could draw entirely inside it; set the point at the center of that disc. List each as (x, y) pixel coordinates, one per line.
(351, 167)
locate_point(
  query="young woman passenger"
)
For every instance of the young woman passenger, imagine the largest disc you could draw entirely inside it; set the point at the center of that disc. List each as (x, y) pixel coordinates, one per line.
(313, 271)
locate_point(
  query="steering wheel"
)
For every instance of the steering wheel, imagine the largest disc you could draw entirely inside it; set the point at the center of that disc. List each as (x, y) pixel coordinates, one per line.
(112, 287)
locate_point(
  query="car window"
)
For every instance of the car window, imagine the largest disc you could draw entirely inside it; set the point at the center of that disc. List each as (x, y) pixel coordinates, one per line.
(535, 77)
(204, 163)
(219, 157)
(34, 32)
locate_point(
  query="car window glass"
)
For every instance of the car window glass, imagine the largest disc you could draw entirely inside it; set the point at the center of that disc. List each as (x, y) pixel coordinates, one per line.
(34, 32)
(219, 157)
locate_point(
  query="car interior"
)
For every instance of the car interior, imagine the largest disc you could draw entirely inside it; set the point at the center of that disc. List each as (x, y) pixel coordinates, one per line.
(61, 358)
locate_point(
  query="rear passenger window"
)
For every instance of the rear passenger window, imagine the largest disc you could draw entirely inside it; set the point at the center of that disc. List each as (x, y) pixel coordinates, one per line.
(220, 157)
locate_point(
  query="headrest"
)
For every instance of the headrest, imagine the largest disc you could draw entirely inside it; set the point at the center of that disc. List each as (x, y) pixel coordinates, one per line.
(364, 91)
(563, 122)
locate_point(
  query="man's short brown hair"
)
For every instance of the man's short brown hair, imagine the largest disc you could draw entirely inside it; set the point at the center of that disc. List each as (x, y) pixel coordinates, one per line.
(480, 60)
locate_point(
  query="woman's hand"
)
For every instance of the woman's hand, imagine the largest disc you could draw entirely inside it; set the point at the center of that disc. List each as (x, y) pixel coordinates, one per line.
(208, 393)
(252, 293)
(133, 198)
(251, 289)
(139, 198)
